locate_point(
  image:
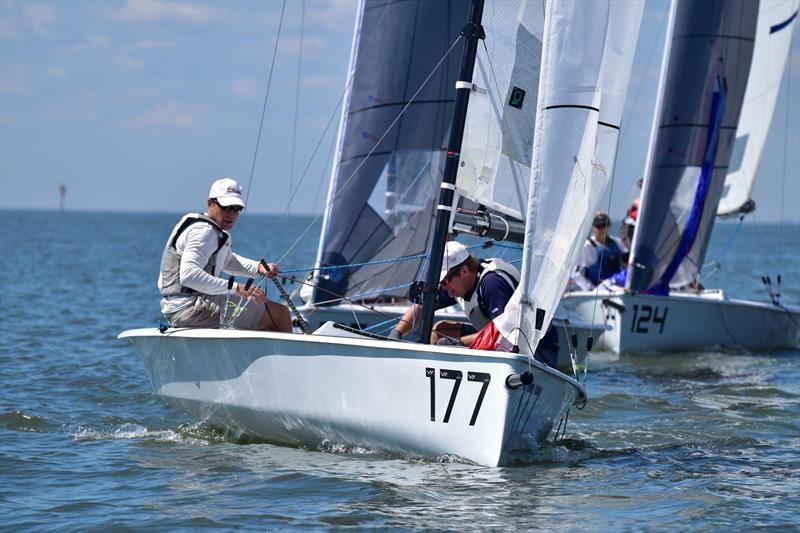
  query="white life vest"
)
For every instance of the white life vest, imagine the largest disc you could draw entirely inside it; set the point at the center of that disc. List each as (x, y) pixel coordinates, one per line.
(171, 258)
(473, 307)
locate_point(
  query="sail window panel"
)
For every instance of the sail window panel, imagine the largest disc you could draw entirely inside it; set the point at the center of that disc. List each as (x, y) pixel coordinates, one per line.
(498, 134)
(737, 156)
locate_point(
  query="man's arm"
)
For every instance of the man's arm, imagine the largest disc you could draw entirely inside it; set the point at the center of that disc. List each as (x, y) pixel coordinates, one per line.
(411, 316)
(404, 324)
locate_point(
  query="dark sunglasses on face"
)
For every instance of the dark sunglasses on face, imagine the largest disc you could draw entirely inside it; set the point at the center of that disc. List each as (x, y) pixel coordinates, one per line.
(230, 208)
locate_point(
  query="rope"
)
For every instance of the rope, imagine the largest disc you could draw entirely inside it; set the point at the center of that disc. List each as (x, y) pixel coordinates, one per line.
(725, 249)
(297, 94)
(264, 108)
(384, 323)
(286, 298)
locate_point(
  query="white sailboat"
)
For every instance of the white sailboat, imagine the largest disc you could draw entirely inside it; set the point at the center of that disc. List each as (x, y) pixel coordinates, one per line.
(686, 185)
(353, 388)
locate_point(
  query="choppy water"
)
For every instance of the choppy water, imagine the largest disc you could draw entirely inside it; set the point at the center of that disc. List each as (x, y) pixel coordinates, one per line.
(677, 441)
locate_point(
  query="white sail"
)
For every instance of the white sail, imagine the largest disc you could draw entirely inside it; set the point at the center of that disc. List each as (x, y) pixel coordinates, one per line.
(498, 133)
(776, 22)
(587, 56)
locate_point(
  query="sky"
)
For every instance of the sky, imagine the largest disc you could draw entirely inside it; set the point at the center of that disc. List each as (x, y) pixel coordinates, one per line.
(140, 105)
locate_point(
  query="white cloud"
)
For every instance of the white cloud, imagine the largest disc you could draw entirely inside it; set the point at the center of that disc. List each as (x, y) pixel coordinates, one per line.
(40, 17)
(310, 81)
(8, 28)
(151, 10)
(56, 72)
(129, 61)
(14, 81)
(170, 114)
(243, 87)
(97, 41)
(152, 44)
(338, 15)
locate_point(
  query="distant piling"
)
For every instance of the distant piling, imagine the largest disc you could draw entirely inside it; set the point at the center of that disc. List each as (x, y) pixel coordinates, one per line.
(62, 193)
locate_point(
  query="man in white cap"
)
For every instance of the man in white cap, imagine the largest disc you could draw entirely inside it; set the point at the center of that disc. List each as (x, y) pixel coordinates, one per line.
(483, 287)
(193, 291)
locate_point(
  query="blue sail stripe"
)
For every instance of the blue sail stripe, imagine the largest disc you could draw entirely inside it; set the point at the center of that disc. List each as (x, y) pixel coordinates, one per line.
(693, 223)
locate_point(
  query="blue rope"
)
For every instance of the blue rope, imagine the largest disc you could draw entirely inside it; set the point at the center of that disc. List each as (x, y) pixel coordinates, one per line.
(509, 247)
(385, 322)
(727, 246)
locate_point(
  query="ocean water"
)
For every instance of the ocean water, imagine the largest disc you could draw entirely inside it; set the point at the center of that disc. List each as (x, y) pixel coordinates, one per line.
(676, 441)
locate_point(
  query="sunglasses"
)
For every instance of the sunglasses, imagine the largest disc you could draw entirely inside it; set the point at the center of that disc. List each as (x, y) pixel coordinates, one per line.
(229, 208)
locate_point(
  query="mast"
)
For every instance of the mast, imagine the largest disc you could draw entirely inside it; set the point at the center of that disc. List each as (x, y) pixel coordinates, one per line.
(472, 32)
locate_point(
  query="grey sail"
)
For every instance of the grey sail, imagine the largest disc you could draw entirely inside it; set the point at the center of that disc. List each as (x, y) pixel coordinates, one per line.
(706, 65)
(383, 188)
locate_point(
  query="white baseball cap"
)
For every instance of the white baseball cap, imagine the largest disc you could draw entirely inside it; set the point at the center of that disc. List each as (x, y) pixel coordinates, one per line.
(227, 192)
(455, 253)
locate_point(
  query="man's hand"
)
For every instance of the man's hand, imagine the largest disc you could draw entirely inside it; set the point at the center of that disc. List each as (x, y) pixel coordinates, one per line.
(271, 270)
(395, 335)
(253, 293)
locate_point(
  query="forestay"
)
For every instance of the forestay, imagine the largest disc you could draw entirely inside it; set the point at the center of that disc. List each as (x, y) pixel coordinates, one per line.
(498, 133)
(706, 65)
(776, 22)
(382, 192)
(587, 54)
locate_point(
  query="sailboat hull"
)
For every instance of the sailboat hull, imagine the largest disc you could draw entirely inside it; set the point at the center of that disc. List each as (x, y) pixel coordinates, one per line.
(308, 390)
(684, 321)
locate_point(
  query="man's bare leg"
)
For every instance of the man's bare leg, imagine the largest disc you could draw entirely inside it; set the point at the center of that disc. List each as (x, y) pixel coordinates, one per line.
(276, 317)
(446, 328)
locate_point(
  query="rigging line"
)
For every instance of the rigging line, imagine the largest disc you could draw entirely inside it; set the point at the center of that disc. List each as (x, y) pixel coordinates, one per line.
(325, 172)
(371, 263)
(662, 27)
(264, 108)
(340, 297)
(785, 147)
(322, 137)
(353, 174)
(608, 228)
(297, 93)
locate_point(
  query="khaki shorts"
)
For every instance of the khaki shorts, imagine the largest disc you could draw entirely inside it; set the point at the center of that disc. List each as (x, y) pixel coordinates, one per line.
(205, 313)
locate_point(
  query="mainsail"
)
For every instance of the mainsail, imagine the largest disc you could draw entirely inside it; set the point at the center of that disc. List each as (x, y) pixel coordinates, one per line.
(587, 55)
(383, 189)
(776, 22)
(706, 64)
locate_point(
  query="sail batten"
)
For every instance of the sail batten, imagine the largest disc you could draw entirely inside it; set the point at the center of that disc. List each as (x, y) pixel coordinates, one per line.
(498, 135)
